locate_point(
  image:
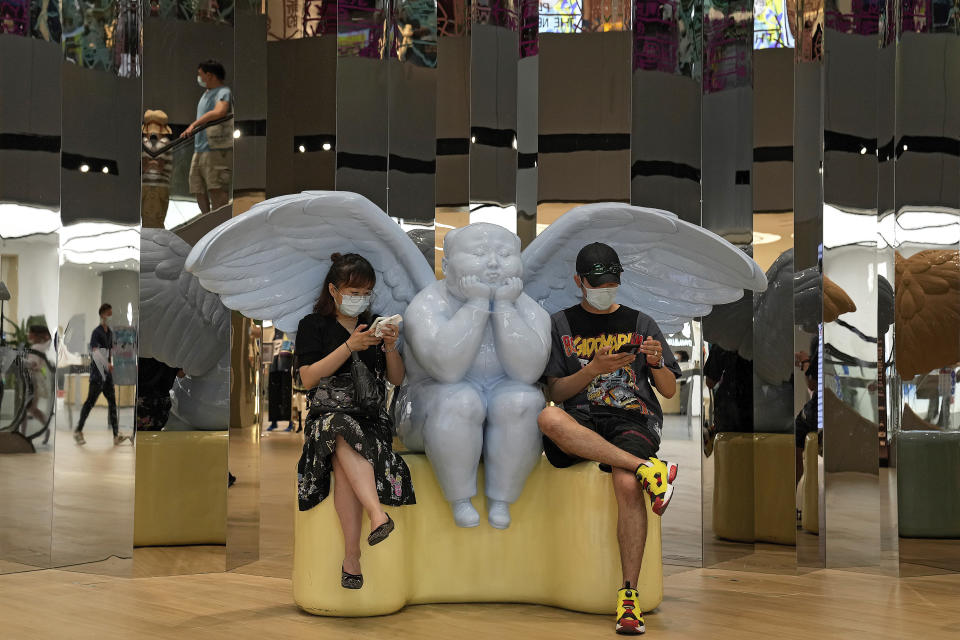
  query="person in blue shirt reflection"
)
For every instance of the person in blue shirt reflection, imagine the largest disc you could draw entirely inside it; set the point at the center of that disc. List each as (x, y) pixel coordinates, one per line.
(211, 169)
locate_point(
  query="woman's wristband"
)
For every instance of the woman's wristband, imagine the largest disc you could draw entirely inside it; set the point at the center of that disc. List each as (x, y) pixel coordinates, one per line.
(347, 345)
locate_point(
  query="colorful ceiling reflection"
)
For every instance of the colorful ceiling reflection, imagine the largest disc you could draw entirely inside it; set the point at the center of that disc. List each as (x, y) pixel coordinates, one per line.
(771, 28)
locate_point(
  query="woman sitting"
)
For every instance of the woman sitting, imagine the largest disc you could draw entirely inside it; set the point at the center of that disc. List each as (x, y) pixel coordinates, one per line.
(339, 437)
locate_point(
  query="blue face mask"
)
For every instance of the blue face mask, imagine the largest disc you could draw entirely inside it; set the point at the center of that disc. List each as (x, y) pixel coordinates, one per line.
(201, 82)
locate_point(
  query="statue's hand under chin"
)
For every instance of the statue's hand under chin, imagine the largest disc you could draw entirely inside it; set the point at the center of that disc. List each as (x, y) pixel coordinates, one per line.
(473, 288)
(509, 291)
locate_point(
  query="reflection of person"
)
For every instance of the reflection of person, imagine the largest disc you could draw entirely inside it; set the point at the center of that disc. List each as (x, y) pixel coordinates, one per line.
(610, 413)
(212, 166)
(356, 447)
(38, 341)
(155, 171)
(154, 381)
(730, 376)
(101, 377)
(807, 420)
(280, 383)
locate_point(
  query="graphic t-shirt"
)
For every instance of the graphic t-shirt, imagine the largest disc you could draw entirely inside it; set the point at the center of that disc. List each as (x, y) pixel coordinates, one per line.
(577, 336)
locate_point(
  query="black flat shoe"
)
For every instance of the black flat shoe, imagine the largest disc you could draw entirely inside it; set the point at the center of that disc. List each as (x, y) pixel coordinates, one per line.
(349, 580)
(380, 534)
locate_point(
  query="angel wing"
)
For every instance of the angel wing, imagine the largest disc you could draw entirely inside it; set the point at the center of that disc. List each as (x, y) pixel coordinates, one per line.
(270, 262)
(181, 323)
(770, 312)
(673, 270)
(927, 311)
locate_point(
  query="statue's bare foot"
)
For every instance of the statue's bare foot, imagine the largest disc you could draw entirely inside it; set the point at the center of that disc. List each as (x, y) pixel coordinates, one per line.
(498, 514)
(464, 514)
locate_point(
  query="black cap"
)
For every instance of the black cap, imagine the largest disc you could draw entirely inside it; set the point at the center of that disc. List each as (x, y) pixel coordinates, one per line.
(598, 253)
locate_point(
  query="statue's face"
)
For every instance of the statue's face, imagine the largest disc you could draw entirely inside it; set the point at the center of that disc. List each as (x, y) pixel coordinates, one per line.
(487, 251)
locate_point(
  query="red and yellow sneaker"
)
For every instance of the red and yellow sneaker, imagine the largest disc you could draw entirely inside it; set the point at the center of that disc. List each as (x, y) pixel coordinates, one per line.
(657, 477)
(629, 616)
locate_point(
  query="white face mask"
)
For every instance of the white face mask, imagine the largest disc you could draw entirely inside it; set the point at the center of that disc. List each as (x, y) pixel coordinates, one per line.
(352, 306)
(601, 299)
(201, 82)
(105, 321)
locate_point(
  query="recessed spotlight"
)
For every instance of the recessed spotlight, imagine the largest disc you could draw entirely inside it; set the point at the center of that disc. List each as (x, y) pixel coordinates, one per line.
(863, 151)
(514, 142)
(904, 147)
(327, 146)
(236, 133)
(84, 168)
(303, 149)
(473, 139)
(105, 170)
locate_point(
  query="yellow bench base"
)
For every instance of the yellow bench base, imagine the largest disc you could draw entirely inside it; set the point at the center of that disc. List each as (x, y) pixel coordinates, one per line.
(181, 490)
(561, 550)
(754, 491)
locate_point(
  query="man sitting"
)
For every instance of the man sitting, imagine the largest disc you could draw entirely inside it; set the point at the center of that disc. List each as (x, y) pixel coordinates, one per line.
(605, 360)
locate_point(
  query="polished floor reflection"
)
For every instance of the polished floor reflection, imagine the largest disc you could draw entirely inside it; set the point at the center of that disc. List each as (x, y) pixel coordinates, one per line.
(93, 496)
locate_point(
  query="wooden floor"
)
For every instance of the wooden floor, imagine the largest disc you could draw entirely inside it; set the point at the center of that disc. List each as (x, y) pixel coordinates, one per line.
(699, 603)
(256, 601)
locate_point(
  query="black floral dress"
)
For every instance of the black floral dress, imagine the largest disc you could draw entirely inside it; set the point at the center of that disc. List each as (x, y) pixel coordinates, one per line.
(371, 437)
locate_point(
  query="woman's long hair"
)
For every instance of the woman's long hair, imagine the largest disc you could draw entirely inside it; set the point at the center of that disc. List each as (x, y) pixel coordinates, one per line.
(347, 270)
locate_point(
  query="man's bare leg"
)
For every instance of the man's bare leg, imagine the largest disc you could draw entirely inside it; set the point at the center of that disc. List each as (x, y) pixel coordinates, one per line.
(203, 202)
(576, 440)
(631, 524)
(218, 198)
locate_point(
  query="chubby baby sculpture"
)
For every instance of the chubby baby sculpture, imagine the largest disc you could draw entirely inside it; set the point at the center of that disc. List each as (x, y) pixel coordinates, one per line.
(477, 344)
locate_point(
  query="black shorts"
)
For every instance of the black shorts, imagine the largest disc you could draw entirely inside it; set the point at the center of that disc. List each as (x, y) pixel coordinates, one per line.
(633, 434)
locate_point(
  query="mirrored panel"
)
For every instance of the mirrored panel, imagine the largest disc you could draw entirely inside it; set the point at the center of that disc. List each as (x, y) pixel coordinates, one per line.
(99, 243)
(808, 285)
(925, 261)
(584, 135)
(29, 273)
(413, 110)
(94, 476)
(363, 52)
(190, 132)
(301, 96)
(729, 472)
(249, 188)
(665, 174)
(453, 126)
(855, 484)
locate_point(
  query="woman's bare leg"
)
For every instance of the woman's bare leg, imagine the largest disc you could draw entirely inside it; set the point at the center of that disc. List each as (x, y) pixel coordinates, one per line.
(359, 472)
(350, 511)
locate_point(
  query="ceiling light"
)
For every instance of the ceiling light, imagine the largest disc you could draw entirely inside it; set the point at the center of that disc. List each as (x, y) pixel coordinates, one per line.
(327, 146)
(863, 151)
(473, 139)
(303, 149)
(236, 133)
(105, 170)
(84, 168)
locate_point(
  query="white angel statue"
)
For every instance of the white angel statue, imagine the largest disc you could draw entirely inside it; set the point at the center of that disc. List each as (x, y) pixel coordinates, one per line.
(479, 339)
(187, 327)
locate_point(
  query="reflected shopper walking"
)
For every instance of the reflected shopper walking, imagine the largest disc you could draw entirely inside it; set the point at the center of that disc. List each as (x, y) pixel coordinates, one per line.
(101, 377)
